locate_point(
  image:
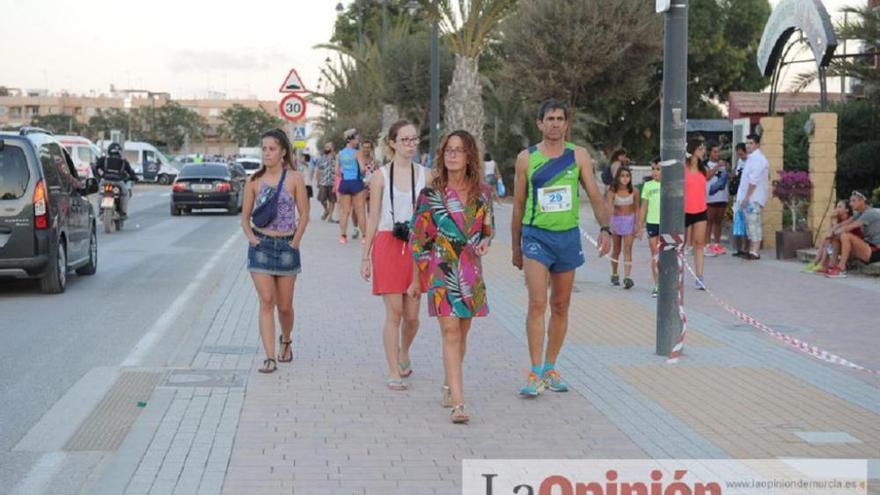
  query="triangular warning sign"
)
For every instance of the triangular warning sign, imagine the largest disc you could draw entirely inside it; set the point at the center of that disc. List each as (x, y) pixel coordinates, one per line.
(293, 84)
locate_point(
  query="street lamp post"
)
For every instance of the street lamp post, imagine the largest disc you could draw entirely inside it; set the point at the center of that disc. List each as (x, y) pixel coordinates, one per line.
(435, 87)
(672, 153)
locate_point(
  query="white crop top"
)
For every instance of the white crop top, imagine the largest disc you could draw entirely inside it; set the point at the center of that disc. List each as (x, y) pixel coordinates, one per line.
(403, 202)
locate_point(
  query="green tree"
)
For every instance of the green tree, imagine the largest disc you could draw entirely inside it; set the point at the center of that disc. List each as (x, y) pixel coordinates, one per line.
(4, 91)
(58, 123)
(598, 55)
(370, 75)
(107, 120)
(469, 26)
(245, 125)
(369, 19)
(864, 26)
(723, 39)
(169, 125)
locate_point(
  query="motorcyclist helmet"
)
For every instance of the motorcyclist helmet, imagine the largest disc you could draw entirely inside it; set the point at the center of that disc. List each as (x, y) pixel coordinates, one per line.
(114, 149)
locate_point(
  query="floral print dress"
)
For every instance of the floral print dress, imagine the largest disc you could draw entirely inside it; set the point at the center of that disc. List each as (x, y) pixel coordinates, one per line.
(445, 235)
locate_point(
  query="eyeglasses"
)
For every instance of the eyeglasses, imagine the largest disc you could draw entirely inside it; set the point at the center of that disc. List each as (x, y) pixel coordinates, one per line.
(453, 151)
(328, 151)
(408, 140)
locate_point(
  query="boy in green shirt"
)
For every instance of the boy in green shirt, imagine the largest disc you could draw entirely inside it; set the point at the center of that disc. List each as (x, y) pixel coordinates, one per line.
(650, 217)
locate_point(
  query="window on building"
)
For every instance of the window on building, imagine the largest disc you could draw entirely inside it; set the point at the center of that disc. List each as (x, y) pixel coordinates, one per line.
(15, 112)
(214, 112)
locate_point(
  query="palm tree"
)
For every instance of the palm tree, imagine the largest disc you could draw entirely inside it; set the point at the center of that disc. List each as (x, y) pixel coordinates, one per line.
(865, 28)
(468, 27)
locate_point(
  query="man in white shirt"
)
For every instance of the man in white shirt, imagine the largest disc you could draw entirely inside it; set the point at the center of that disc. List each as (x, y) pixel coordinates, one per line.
(751, 197)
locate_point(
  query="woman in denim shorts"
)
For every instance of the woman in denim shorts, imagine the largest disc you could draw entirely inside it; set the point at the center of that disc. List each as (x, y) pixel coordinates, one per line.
(273, 253)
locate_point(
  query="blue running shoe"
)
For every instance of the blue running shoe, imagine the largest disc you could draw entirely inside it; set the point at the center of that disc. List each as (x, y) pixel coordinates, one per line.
(554, 382)
(534, 387)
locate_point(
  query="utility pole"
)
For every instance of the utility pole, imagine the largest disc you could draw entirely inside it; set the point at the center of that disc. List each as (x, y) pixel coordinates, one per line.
(672, 148)
(435, 87)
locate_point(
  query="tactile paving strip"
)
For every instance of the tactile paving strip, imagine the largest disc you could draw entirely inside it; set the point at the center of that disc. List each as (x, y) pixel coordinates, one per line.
(107, 426)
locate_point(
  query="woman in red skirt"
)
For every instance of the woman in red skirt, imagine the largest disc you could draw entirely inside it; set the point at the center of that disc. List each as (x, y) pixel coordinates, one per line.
(387, 257)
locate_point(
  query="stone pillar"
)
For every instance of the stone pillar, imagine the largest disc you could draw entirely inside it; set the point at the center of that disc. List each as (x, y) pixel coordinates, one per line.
(823, 166)
(771, 146)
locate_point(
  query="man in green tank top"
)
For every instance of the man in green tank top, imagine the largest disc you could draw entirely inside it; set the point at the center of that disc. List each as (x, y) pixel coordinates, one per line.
(546, 236)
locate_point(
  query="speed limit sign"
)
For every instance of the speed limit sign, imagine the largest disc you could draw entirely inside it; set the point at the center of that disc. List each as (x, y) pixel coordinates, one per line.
(293, 107)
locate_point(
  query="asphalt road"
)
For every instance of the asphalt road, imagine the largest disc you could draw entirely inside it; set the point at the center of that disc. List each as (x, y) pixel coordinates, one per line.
(51, 342)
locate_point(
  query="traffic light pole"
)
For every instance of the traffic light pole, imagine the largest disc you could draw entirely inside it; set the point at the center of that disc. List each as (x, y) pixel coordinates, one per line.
(672, 147)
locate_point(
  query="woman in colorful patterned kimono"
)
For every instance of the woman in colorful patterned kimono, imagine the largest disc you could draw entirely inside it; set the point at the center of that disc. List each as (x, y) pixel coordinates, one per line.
(451, 231)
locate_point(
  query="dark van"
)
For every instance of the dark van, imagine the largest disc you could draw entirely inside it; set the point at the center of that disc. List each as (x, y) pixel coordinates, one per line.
(47, 223)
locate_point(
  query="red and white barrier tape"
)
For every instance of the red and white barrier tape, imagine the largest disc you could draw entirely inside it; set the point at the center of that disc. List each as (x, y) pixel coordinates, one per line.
(668, 242)
(805, 347)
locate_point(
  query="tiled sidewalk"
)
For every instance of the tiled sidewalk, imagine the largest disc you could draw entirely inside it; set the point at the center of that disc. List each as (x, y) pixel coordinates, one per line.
(327, 424)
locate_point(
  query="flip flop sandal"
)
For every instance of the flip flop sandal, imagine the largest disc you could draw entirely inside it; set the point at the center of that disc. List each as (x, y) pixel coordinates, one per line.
(269, 366)
(396, 385)
(458, 415)
(285, 350)
(405, 369)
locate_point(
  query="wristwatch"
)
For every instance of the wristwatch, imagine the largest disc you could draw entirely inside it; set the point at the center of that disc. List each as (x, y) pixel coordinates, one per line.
(605, 228)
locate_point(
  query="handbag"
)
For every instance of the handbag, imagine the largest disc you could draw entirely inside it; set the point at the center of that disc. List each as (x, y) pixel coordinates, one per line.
(265, 212)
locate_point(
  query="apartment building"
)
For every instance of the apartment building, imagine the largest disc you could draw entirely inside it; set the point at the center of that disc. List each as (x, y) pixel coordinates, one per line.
(21, 106)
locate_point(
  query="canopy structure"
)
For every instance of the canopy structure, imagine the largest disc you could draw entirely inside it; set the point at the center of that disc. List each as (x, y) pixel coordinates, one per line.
(812, 20)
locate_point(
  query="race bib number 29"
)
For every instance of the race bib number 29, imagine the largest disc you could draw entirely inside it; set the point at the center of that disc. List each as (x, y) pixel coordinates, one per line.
(557, 198)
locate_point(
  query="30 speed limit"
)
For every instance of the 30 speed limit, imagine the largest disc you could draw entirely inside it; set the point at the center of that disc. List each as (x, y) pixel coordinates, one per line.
(293, 107)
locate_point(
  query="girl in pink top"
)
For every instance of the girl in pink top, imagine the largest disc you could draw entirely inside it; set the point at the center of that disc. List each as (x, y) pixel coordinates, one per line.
(695, 216)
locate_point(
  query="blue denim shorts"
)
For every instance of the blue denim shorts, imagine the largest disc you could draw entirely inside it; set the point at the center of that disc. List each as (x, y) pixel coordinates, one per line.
(558, 251)
(274, 256)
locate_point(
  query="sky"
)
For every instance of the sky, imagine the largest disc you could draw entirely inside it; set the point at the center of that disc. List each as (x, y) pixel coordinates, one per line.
(186, 47)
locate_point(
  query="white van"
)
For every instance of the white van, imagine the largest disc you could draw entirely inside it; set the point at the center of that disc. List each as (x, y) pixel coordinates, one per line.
(148, 162)
(85, 154)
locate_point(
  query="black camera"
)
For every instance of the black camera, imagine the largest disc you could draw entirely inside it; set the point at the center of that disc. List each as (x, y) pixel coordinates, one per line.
(401, 231)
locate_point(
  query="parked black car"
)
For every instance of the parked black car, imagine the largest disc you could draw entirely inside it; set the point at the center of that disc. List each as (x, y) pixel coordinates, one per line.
(47, 223)
(208, 185)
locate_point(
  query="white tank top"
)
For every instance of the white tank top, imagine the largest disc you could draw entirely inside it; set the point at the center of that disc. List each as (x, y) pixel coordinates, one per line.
(403, 202)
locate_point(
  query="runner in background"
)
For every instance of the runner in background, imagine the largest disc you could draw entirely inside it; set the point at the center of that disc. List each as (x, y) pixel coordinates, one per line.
(650, 218)
(623, 201)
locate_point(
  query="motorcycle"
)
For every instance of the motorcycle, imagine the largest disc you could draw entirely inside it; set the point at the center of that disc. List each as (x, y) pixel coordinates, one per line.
(111, 205)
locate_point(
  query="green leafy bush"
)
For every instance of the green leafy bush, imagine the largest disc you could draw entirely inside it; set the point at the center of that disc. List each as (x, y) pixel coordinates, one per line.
(858, 168)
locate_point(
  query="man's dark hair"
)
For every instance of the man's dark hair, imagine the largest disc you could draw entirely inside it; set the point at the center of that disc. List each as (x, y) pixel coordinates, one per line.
(711, 145)
(553, 104)
(754, 137)
(741, 146)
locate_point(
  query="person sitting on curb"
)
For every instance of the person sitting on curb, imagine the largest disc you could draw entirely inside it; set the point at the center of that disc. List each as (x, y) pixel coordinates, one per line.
(866, 249)
(826, 255)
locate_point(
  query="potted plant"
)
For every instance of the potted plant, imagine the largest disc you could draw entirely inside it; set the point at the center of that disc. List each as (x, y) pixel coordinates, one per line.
(793, 189)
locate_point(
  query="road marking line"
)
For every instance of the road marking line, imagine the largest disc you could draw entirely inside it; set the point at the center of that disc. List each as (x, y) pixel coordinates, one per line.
(41, 474)
(161, 326)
